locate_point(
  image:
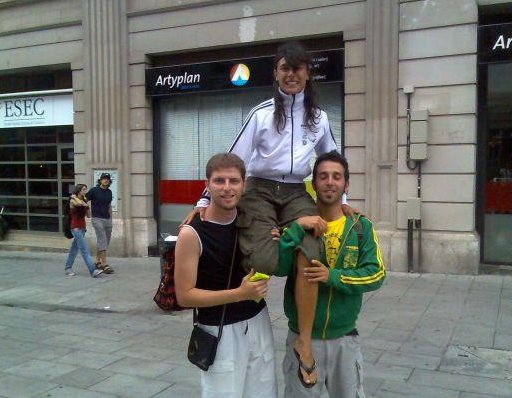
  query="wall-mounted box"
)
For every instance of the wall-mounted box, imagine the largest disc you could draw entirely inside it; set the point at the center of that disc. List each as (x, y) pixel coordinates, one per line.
(414, 208)
(418, 151)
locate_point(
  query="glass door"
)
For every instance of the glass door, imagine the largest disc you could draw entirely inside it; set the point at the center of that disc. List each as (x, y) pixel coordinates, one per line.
(497, 140)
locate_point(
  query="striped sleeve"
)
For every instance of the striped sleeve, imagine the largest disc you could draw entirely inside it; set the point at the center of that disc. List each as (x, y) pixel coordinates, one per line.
(243, 145)
(370, 272)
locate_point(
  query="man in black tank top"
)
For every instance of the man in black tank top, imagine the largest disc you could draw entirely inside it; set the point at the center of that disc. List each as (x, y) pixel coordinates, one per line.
(244, 366)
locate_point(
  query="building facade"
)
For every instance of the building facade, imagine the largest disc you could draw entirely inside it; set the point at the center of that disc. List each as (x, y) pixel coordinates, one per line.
(415, 96)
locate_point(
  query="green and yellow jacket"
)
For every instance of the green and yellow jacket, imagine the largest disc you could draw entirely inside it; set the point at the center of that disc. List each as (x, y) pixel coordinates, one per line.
(359, 268)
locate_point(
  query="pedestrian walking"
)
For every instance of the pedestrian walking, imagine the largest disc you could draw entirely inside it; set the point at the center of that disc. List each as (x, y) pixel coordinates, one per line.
(77, 212)
(101, 210)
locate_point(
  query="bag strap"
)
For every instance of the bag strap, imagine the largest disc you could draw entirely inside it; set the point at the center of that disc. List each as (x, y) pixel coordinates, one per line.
(221, 325)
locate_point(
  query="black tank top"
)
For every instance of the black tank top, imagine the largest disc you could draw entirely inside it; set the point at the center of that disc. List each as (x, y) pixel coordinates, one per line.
(217, 242)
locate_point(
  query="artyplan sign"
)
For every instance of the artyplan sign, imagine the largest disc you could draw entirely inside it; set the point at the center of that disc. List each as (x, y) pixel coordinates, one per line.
(327, 66)
(31, 111)
(495, 43)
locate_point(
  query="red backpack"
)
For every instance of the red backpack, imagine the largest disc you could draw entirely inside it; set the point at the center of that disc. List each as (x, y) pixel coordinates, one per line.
(165, 296)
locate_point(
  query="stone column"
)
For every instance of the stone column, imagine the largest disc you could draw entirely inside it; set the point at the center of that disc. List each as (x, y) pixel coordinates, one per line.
(381, 111)
(106, 105)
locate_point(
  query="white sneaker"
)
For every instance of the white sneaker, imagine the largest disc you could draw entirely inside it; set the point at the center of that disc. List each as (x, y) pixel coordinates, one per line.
(70, 273)
(96, 273)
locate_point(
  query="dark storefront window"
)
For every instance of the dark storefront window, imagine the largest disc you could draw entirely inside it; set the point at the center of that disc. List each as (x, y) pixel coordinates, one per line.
(495, 144)
(36, 173)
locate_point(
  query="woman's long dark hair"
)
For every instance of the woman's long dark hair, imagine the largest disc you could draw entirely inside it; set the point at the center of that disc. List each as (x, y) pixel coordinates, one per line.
(295, 55)
(78, 188)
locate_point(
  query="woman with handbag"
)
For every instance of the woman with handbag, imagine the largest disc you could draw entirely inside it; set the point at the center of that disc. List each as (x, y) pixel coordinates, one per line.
(78, 211)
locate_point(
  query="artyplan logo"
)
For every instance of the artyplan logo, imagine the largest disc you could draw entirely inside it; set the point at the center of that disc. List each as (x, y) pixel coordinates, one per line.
(239, 74)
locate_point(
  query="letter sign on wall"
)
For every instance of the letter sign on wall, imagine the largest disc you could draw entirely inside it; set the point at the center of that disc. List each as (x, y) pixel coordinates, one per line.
(33, 111)
(495, 43)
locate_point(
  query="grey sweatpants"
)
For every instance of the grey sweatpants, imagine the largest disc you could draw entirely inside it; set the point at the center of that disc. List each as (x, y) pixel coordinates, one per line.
(103, 229)
(339, 368)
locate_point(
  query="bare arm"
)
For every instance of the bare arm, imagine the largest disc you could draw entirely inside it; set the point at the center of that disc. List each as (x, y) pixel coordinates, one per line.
(75, 201)
(185, 275)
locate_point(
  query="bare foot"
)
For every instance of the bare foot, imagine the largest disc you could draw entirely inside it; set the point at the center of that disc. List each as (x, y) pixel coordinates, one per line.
(307, 369)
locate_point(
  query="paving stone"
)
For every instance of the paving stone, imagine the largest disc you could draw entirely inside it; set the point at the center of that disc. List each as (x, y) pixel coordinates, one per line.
(388, 388)
(115, 334)
(402, 320)
(487, 282)
(42, 370)
(471, 395)
(503, 342)
(21, 387)
(477, 336)
(370, 355)
(93, 360)
(83, 377)
(24, 334)
(10, 360)
(141, 367)
(463, 383)
(131, 386)
(478, 362)
(68, 392)
(393, 335)
(152, 353)
(387, 372)
(184, 373)
(371, 385)
(410, 360)
(89, 344)
(423, 347)
(380, 344)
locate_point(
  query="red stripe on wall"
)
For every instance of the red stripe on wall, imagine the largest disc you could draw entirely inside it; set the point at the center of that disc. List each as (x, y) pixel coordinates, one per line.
(180, 191)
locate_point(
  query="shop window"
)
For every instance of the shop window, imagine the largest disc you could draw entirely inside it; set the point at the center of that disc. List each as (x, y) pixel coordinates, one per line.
(67, 154)
(42, 153)
(12, 170)
(43, 188)
(67, 188)
(13, 188)
(13, 205)
(44, 223)
(44, 206)
(13, 154)
(41, 136)
(42, 171)
(68, 171)
(498, 165)
(16, 222)
(9, 137)
(65, 135)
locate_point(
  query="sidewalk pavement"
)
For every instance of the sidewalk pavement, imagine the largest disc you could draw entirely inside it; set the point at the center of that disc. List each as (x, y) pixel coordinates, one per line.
(429, 335)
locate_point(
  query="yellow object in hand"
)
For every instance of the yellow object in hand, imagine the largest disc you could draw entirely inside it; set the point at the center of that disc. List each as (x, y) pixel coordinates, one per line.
(259, 276)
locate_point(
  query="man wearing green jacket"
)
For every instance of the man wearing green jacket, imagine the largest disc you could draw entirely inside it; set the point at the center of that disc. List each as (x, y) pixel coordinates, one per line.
(351, 264)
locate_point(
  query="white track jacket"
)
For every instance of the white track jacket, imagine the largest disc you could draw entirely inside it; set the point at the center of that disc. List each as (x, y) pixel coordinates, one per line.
(283, 156)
